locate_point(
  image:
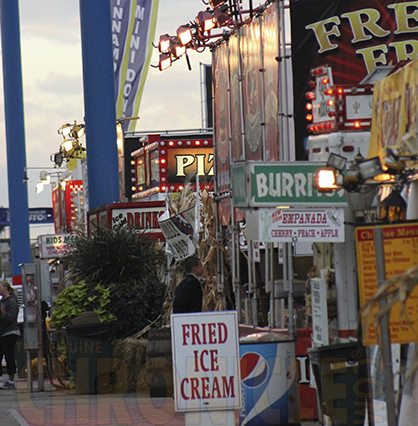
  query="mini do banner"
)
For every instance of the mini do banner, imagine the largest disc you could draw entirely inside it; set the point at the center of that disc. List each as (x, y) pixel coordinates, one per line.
(206, 361)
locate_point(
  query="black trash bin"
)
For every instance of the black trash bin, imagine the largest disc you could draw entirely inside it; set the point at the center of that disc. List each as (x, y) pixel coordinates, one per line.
(89, 353)
(341, 376)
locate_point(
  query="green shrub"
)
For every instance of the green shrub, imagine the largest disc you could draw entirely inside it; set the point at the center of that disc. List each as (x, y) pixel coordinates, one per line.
(79, 298)
(127, 263)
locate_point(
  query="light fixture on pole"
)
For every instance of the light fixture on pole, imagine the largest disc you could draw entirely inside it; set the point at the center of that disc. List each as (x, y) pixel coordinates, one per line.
(164, 43)
(216, 3)
(165, 61)
(184, 34)
(205, 20)
(393, 207)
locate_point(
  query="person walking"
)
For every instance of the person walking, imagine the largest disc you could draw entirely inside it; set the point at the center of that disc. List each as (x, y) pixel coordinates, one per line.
(9, 330)
(189, 294)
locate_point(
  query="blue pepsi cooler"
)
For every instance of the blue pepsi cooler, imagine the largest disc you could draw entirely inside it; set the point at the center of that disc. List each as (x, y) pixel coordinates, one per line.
(268, 380)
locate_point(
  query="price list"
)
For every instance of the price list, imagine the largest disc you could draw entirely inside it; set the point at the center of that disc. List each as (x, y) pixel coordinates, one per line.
(400, 243)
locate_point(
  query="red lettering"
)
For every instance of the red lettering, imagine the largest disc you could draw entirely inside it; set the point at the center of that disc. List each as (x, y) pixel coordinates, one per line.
(130, 220)
(183, 393)
(228, 389)
(204, 333)
(195, 334)
(195, 391)
(205, 387)
(214, 360)
(149, 220)
(185, 333)
(222, 329)
(212, 332)
(205, 352)
(196, 361)
(215, 388)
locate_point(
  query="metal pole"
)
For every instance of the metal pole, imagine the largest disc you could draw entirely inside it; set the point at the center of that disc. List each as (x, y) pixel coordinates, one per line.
(385, 333)
(15, 137)
(292, 323)
(99, 102)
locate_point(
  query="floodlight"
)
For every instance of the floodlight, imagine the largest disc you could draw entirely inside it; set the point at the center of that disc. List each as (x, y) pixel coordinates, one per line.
(39, 187)
(164, 43)
(184, 33)
(336, 162)
(64, 130)
(44, 177)
(176, 49)
(325, 180)
(165, 61)
(370, 168)
(216, 3)
(205, 20)
(67, 145)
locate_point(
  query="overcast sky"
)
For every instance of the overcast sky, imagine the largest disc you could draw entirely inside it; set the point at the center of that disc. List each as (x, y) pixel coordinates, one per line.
(52, 84)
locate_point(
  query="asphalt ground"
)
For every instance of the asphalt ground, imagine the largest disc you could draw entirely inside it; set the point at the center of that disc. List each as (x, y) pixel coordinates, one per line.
(53, 407)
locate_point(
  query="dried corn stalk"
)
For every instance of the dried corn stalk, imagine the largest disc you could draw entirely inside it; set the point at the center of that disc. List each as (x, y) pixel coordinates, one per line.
(178, 203)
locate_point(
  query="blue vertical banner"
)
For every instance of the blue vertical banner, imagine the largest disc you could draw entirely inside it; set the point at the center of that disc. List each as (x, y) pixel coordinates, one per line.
(133, 31)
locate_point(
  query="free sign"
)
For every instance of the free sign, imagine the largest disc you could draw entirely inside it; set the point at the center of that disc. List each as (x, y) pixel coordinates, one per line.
(206, 361)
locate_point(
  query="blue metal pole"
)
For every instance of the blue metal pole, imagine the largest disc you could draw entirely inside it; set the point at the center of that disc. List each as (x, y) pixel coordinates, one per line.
(15, 136)
(99, 102)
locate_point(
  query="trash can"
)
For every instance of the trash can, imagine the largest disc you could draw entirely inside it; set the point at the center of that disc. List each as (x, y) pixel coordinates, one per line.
(268, 380)
(340, 373)
(89, 353)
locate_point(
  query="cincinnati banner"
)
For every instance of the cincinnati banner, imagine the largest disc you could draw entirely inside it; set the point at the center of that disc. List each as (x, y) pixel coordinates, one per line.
(133, 30)
(353, 37)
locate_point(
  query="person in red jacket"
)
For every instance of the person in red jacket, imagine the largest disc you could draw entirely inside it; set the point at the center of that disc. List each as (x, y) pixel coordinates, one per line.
(189, 293)
(9, 330)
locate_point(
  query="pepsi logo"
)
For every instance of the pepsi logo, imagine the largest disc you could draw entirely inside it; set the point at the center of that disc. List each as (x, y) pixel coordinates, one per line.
(254, 370)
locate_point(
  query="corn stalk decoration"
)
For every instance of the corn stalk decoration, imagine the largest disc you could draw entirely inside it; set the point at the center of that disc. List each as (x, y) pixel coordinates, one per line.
(180, 202)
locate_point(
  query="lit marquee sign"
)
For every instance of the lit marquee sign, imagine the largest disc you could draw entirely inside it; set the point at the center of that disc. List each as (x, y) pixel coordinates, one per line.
(170, 163)
(181, 160)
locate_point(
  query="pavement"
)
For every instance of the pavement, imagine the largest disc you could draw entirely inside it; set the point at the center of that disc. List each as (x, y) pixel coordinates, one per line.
(52, 407)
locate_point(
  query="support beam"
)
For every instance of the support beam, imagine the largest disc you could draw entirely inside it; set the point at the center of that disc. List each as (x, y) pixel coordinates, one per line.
(15, 136)
(99, 102)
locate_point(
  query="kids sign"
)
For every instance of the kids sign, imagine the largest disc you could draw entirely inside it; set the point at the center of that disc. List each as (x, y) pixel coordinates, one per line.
(206, 361)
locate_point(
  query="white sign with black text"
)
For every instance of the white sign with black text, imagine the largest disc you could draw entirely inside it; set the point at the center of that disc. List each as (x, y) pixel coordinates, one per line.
(206, 362)
(307, 225)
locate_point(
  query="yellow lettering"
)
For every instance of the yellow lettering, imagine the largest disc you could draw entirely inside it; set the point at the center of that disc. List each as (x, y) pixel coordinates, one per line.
(358, 25)
(200, 164)
(401, 48)
(370, 58)
(210, 160)
(322, 35)
(183, 161)
(402, 17)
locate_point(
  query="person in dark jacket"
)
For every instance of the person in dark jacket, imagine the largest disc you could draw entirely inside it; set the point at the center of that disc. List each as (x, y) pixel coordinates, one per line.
(9, 329)
(189, 293)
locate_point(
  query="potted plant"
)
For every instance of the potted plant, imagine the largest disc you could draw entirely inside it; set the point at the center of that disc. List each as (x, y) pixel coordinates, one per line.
(115, 273)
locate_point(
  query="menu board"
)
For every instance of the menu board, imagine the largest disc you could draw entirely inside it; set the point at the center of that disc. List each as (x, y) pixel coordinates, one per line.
(400, 243)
